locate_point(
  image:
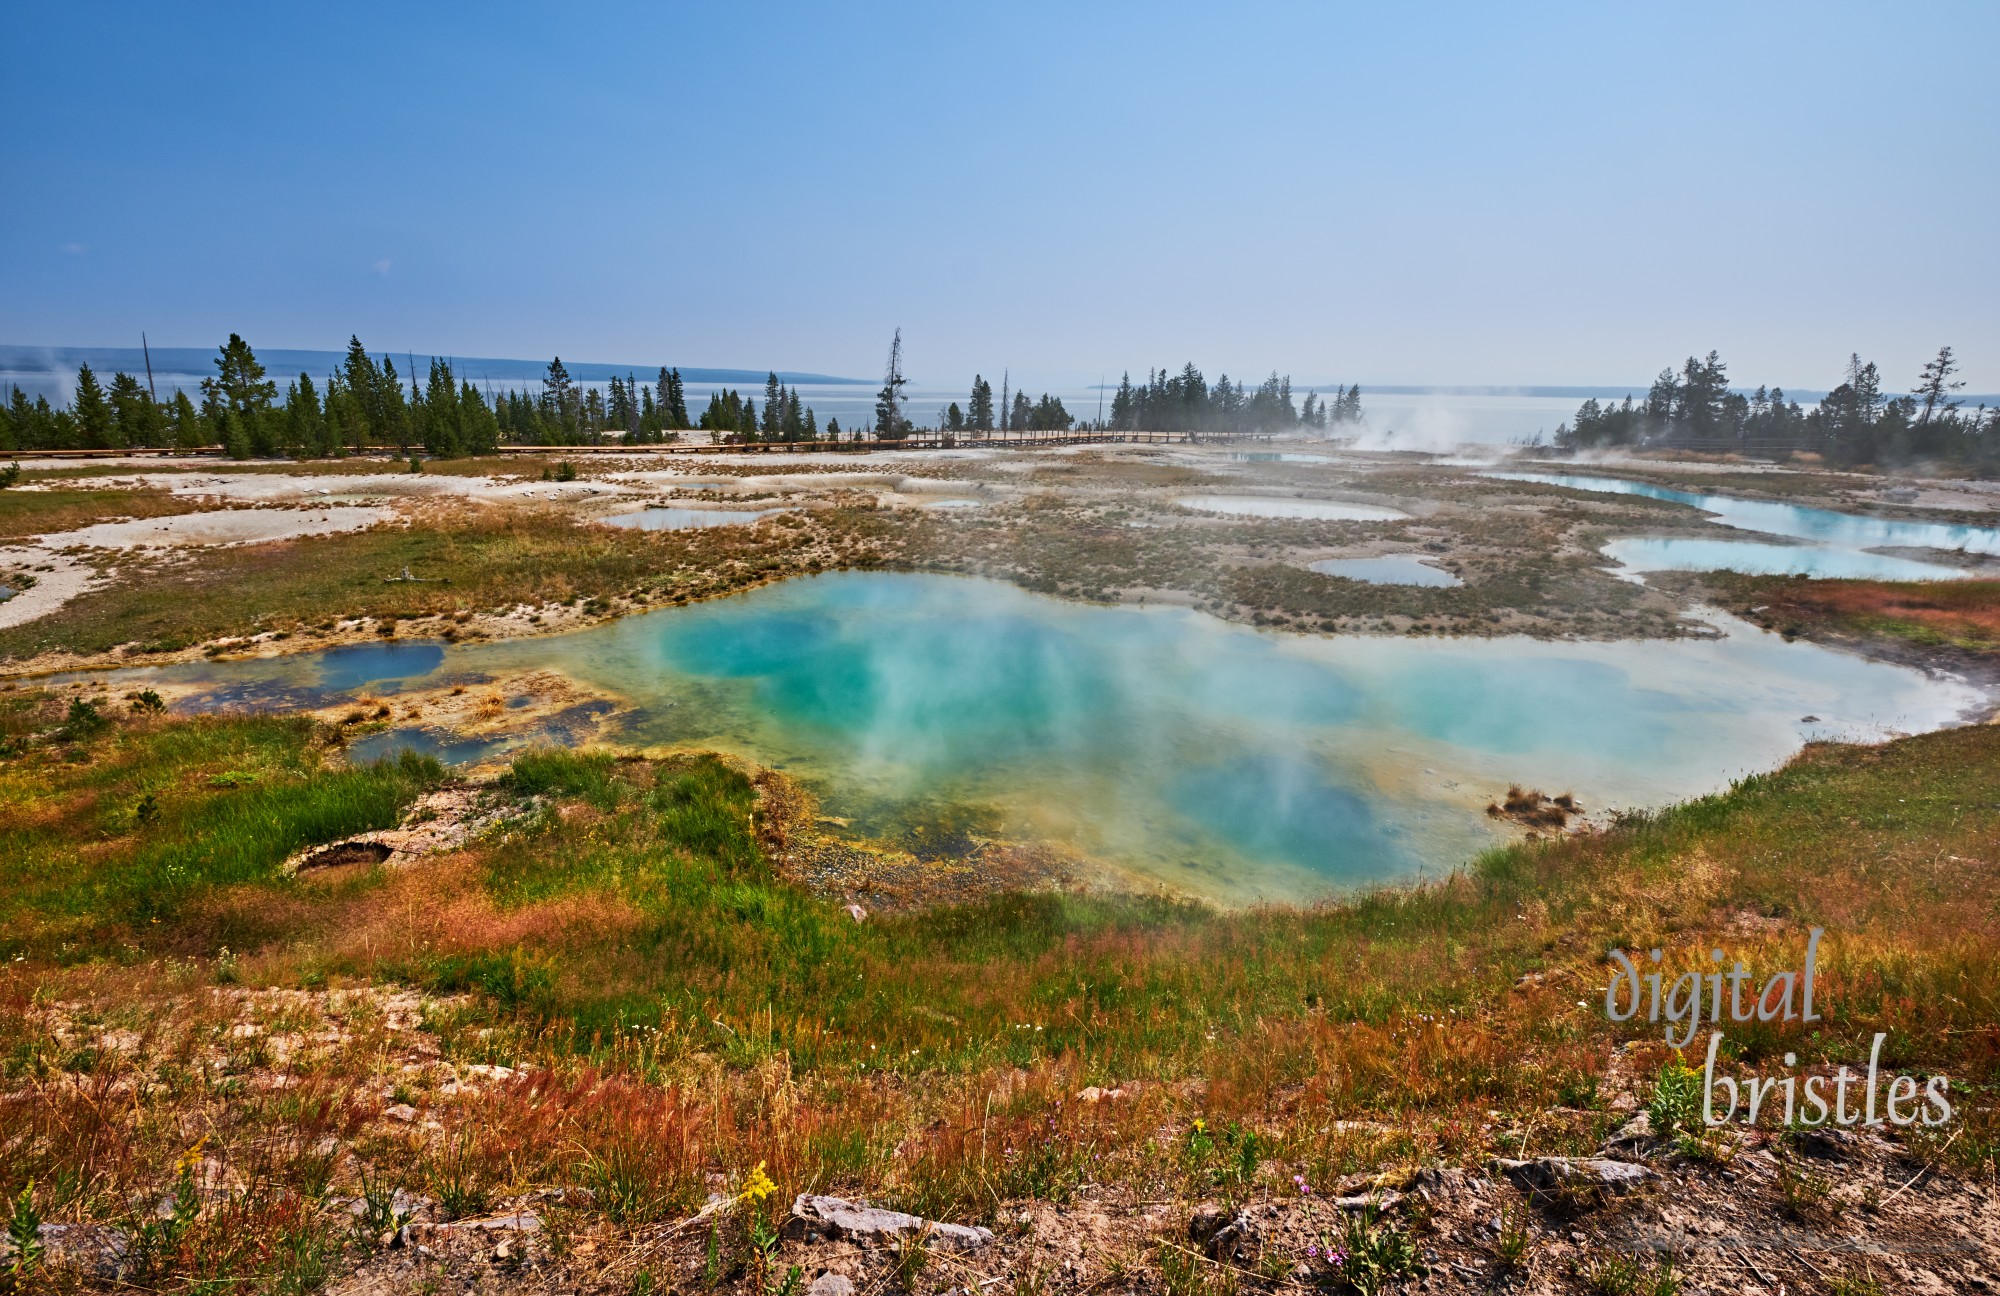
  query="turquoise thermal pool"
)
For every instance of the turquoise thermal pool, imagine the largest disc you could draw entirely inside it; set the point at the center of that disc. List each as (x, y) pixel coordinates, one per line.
(1230, 762)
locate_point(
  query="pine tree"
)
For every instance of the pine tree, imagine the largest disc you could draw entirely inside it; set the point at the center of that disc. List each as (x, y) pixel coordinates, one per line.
(774, 409)
(615, 414)
(441, 429)
(395, 425)
(890, 424)
(304, 419)
(795, 421)
(478, 430)
(140, 422)
(979, 411)
(665, 403)
(95, 428)
(240, 389)
(364, 382)
(190, 431)
(1124, 406)
(1935, 386)
(677, 410)
(1047, 414)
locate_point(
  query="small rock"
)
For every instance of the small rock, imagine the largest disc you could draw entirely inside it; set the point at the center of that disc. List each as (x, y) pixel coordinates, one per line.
(1235, 1242)
(1837, 1144)
(839, 1218)
(402, 1112)
(1433, 1183)
(1547, 1174)
(1634, 1133)
(505, 1228)
(856, 912)
(1368, 1201)
(1205, 1223)
(831, 1284)
(95, 1250)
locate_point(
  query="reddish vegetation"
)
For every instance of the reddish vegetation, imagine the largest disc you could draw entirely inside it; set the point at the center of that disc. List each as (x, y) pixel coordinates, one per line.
(1963, 613)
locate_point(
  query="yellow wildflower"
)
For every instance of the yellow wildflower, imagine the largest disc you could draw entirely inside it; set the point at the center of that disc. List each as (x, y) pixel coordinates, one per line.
(757, 1186)
(190, 1160)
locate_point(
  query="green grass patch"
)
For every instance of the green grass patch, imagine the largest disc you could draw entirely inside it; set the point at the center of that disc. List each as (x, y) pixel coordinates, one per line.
(110, 835)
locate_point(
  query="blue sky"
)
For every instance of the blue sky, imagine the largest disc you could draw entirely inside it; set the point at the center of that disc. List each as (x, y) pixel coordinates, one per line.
(1472, 193)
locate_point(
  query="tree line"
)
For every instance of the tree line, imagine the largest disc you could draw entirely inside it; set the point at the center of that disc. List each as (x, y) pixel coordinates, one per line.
(1185, 402)
(1179, 402)
(1854, 424)
(362, 406)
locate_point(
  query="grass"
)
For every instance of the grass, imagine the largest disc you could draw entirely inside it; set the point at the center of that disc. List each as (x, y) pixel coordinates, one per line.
(481, 559)
(108, 830)
(688, 1013)
(33, 513)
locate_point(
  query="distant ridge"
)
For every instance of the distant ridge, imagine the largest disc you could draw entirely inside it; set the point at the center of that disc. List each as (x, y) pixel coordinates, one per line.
(280, 363)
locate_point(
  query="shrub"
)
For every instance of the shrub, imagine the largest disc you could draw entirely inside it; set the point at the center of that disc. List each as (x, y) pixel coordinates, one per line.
(83, 721)
(1676, 1103)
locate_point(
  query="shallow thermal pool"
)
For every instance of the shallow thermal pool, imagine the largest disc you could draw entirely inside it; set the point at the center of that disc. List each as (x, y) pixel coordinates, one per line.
(1390, 569)
(1832, 544)
(1266, 506)
(1232, 762)
(1690, 553)
(667, 518)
